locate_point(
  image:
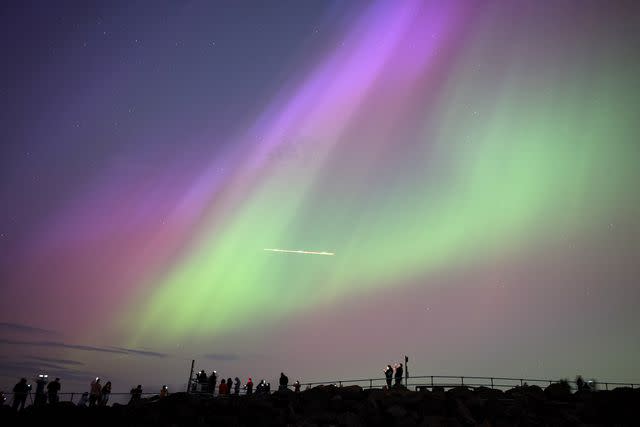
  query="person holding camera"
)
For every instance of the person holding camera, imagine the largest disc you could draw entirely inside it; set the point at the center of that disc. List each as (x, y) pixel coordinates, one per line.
(94, 394)
(388, 374)
(20, 392)
(398, 375)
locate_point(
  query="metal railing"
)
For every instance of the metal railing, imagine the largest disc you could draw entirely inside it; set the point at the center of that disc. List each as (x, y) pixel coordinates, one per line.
(414, 382)
(450, 381)
(74, 397)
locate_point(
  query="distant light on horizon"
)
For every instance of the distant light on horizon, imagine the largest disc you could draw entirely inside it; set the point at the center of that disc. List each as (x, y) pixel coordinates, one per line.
(299, 251)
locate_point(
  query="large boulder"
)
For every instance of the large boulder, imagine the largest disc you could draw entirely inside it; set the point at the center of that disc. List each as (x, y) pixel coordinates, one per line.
(433, 404)
(460, 392)
(463, 414)
(558, 391)
(352, 392)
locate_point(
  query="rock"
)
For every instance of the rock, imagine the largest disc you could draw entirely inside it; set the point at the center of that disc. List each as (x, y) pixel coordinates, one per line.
(558, 391)
(349, 419)
(487, 393)
(463, 414)
(355, 407)
(352, 392)
(433, 404)
(396, 411)
(433, 421)
(463, 393)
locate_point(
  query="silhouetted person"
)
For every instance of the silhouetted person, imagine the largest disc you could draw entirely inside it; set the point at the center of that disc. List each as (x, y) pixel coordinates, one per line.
(249, 386)
(20, 392)
(388, 374)
(136, 394)
(229, 385)
(580, 383)
(164, 392)
(96, 389)
(213, 381)
(201, 377)
(203, 381)
(3, 398)
(267, 388)
(84, 399)
(236, 386)
(41, 397)
(222, 389)
(398, 375)
(296, 386)
(260, 389)
(106, 393)
(52, 391)
(284, 382)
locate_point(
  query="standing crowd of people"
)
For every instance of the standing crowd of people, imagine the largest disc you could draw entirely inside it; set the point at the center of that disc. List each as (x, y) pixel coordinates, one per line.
(208, 384)
(99, 394)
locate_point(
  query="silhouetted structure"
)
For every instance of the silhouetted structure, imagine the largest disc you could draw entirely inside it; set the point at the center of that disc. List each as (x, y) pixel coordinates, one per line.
(84, 399)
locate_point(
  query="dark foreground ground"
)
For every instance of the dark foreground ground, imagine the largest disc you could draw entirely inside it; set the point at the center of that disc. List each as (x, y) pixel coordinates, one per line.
(352, 406)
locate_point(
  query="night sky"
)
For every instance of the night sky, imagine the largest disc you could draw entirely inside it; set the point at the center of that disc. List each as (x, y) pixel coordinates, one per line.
(466, 170)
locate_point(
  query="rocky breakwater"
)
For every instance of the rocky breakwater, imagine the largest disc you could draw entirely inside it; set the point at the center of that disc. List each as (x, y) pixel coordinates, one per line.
(353, 406)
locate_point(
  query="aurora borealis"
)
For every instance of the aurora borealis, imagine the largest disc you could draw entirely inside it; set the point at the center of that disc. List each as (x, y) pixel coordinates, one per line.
(471, 165)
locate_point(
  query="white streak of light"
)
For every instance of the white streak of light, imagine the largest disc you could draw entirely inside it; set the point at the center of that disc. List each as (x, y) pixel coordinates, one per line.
(299, 252)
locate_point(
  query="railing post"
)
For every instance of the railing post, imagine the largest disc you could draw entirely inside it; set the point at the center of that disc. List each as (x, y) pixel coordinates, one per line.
(521, 383)
(340, 383)
(72, 397)
(606, 386)
(491, 382)
(370, 383)
(191, 376)
(462, 380)
(431, 382)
